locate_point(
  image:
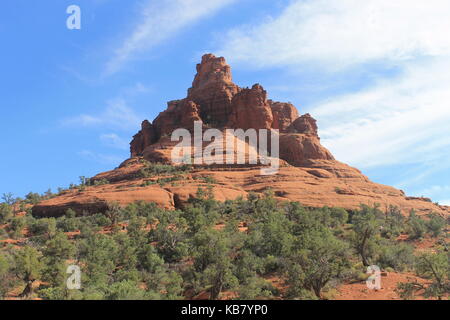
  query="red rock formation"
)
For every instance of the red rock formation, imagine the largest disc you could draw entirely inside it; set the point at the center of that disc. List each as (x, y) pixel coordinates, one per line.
(143, 139)
(210, 72)
(216, 101)
(296, 149)
(303, 143)
(213, 90)
(250, 109)
(312, 175)
(179, 114)
(284, 114)
(319, 183)
(305, 125)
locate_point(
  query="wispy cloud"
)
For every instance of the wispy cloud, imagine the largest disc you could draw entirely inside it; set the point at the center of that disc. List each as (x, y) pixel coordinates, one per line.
(113, 140)
(117, 114)
(101, 158)
(397, 118)
(161, 20)
(137, 89)
(439, 192)
(337, 34)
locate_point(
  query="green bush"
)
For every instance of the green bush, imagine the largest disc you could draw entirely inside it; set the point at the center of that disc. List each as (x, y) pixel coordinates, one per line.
(436, 224)
(339, 215)
(416, 226)
(33, 198)
(125, 290)
(5, 213)
(432, 266)
(16, 227)
(43, 227)
(68, 224)
(206, 246)
(5, 274)
(366, 226)
(396, 256)
(394, 223)
(101, 182)
(3, 234)
(157, 169)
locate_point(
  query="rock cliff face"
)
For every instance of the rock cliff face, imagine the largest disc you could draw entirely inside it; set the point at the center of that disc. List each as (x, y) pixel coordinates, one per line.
(250, 109)
(179, 114)
(306, 125)
(284, 114)
(213, 90)
(219, 103)
(145, 137)
(308, 174)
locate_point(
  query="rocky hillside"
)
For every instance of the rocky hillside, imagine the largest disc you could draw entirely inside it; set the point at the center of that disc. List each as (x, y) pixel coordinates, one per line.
(309, 173)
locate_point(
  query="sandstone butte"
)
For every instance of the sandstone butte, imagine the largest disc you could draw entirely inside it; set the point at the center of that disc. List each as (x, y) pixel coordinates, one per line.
(309, 173)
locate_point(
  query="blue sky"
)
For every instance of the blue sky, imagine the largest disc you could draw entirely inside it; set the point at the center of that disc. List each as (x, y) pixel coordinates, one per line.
(374, 73)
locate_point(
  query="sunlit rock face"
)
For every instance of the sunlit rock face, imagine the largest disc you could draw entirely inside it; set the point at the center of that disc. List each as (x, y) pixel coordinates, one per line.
(218, 103)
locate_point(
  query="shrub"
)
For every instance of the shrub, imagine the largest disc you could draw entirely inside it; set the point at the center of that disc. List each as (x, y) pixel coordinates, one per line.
(433, 266)
(207, 179)
(320, 260)
(3, 234)
(171, 237)
(114, 213)
(68, 223)
(256, 288)
(366, 227)
(156, 169)
(416, 226)
(101, 182)
(16, 226)
(44, 227)
(52, 293)
(5, 212)
(394, 223)
(436, 224)
(339, 215)
(28, 267)
(9, 199)
(396, 256)
(125, 290)
(33, 198)
(5, 274)
(100, 220)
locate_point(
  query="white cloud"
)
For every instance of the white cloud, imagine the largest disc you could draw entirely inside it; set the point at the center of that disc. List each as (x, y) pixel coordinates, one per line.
(117, 114)
(336, 34)
(399, 120)
(105, 159)
(437, 189)
(441, 193)
(161, 20)
(113, 140)
(136, 89)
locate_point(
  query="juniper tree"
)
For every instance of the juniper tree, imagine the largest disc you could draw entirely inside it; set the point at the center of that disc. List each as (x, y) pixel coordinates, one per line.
(28, 268)
(367, 223)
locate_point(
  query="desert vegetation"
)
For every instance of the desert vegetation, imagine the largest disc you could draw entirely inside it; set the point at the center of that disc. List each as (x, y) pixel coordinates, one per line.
(216, 250)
